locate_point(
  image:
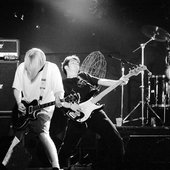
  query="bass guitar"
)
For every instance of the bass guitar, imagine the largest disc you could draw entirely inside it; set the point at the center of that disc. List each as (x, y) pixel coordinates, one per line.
(90, 105)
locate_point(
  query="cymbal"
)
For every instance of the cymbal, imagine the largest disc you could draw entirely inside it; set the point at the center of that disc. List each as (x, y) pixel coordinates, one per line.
(156, 33)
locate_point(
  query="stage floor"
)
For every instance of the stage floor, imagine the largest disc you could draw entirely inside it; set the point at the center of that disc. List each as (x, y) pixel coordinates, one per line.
(145, 147)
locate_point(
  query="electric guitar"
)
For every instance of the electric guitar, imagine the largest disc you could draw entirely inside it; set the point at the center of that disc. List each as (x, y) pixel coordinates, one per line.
(20, 120)
(90, 105)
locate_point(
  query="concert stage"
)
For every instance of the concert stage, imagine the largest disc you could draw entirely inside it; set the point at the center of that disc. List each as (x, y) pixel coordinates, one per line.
(146, 147)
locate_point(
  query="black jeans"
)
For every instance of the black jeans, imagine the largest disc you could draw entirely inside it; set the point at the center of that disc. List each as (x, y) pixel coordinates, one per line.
(111, 149)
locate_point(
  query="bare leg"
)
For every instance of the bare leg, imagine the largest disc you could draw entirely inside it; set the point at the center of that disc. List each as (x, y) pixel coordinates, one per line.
(50, 149)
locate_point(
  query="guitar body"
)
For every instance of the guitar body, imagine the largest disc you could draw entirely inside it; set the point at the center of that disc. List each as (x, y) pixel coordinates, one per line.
(87, 108)
(20, 121)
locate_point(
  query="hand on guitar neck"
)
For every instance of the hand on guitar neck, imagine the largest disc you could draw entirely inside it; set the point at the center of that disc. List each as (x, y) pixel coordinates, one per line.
(124, 80)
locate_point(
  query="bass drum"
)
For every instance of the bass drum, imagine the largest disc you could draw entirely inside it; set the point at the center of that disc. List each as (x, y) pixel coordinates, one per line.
(158, 91)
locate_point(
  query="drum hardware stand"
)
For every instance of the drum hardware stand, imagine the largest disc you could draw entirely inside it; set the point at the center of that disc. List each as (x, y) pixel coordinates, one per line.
(164, 107)
(153, 111)
(148, 106)
(122, 89)
(142, 102)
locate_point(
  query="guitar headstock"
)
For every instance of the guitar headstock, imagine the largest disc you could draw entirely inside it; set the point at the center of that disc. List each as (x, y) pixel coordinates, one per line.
(137, 70)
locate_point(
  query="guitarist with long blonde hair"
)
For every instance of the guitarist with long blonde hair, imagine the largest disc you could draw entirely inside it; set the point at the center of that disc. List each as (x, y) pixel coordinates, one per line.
(37, 83)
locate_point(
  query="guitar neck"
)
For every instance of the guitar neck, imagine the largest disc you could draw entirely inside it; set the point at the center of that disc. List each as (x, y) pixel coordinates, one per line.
(108, 90)
(68, 98)
(41, 106)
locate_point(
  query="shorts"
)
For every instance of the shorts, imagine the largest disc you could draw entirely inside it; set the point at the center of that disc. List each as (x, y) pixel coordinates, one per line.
(41, 124)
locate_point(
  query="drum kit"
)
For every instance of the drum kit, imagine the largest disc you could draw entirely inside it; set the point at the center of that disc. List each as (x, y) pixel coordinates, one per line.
(159, 85)
(158, 94)
(158, 97)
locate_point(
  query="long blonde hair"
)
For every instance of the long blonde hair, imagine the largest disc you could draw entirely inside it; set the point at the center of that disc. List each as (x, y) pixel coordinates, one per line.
(34, 60)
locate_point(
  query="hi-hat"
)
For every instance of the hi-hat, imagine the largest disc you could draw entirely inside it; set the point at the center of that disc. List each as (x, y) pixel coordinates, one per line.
(156, 33)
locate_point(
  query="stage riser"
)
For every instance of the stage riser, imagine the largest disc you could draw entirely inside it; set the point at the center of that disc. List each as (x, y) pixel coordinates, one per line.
(141, 153)
(147, 152)
(145, 147)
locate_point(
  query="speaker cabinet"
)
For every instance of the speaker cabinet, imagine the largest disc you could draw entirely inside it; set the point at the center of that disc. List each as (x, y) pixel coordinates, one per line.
(7, 72)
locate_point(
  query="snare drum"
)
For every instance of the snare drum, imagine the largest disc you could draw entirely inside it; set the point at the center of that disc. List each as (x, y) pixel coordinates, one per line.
(158, 91)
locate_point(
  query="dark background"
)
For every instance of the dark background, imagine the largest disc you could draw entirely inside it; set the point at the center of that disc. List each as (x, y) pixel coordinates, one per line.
(113, 27)
(64, 27)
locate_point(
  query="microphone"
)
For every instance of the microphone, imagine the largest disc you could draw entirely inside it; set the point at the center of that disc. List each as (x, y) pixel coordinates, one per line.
(123, 60)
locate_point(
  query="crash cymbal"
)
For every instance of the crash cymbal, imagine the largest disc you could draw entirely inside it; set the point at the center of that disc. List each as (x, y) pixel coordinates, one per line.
(156, 32)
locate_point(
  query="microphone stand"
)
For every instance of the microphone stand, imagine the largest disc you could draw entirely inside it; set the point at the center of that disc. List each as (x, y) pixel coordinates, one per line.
(122, 89)
(123, 62)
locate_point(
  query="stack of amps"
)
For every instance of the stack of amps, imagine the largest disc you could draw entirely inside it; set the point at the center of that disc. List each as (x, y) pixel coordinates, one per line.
(9, 60)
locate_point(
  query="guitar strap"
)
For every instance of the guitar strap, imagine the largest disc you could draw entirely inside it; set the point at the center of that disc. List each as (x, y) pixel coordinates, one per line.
(43, 82)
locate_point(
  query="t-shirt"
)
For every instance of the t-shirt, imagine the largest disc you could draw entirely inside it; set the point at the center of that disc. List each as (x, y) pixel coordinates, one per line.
(84, 84)
(31, 89)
